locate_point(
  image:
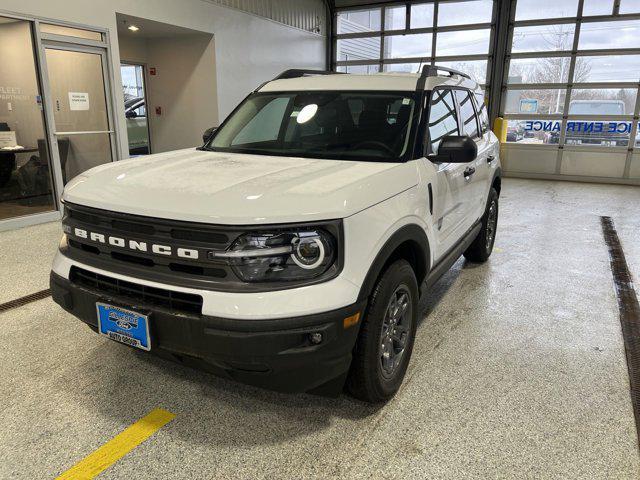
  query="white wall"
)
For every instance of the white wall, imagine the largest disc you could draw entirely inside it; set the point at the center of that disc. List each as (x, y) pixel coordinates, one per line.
(182, 87)
(248, 49)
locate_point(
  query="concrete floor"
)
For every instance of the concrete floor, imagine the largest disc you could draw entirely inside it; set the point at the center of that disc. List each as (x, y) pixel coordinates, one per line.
(518, 372)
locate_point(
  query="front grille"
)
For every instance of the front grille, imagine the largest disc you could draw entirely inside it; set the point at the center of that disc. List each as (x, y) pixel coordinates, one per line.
(165, 251)
(136, 294)
(202, 271)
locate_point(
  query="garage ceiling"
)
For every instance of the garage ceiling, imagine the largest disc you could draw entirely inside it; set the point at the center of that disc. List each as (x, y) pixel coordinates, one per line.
(358, 3)
(362, 3)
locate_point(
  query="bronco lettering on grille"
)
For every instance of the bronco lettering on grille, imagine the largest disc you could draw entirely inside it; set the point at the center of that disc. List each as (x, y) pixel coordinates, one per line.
(135, 245)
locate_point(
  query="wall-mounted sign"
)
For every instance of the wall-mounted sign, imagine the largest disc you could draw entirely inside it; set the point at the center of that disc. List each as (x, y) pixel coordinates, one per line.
(12, 93)
(528, 105)
(577, 126)
(78, 101)
(152, 70)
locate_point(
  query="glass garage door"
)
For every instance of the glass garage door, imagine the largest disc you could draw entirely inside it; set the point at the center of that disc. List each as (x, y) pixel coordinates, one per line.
(400, 38)
(571, 89)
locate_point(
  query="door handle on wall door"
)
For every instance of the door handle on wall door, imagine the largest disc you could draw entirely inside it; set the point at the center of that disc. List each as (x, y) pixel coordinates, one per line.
(469, 171)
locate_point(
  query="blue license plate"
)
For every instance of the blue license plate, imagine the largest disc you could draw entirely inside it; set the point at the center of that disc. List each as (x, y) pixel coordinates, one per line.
(124, 326)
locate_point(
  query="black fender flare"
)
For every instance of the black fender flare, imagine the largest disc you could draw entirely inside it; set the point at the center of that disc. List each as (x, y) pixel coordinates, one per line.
(417, 237)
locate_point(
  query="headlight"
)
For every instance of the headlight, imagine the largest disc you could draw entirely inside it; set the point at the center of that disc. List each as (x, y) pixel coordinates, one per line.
(281, 255)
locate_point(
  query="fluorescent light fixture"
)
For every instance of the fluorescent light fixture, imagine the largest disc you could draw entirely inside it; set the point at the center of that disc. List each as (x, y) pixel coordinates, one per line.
(133, 28)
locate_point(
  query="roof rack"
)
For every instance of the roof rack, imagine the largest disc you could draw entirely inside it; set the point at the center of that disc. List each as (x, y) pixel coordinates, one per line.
(432, 71)
(297, 73)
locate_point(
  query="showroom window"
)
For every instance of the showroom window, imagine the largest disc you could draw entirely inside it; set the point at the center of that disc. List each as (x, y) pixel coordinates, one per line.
(26, 181)
(53, 125)
(400, 38)
(572, 75)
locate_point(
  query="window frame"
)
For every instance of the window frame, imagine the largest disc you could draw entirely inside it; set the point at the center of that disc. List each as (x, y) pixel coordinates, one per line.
(426, 134)
(570, 87)
(471, 96)
(431, 58)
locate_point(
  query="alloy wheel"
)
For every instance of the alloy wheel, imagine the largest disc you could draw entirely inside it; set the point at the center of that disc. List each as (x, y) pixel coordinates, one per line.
(396, 328)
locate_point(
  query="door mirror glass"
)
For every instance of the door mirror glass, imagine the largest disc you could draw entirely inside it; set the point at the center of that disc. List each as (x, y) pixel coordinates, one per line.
(207, 134)
(456, 149)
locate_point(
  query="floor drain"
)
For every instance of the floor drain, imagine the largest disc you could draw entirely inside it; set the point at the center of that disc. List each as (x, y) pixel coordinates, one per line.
(19, 302)
(629, 311)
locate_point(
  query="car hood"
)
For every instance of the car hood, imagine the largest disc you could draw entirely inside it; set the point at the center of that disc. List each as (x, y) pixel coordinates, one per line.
(231, 188)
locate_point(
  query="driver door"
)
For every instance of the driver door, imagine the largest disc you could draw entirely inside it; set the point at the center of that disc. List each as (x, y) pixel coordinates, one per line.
(451, 193)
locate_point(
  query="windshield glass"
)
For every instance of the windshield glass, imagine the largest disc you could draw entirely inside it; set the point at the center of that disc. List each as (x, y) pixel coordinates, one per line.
(335, 125)
(596, 108)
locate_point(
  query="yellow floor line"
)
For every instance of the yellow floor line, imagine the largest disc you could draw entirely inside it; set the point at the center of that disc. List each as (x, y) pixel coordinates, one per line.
(118, 446)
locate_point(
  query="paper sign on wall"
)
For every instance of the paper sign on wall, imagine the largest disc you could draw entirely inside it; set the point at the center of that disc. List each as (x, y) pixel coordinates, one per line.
(78, 101)
(7, 139)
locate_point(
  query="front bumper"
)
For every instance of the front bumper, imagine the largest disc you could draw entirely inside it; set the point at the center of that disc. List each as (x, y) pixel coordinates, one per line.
(273, 353)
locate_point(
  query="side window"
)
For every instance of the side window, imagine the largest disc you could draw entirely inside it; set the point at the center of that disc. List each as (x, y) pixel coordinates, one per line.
(265, 126)
(482, 113)
(442, 118)
(467, 114)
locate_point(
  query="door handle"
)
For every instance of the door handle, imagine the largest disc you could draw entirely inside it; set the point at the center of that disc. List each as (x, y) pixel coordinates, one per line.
(490, 158)
(469, 171)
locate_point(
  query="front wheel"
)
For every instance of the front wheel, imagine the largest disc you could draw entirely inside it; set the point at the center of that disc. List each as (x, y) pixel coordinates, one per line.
(481, 248)
(385, 342)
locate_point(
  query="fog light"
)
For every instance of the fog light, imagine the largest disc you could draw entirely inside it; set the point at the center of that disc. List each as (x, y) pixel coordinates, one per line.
(315, 338)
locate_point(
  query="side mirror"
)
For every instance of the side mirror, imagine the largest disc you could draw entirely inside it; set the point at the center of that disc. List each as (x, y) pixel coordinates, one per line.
(207, 134)
(131, 114)
(456, 149)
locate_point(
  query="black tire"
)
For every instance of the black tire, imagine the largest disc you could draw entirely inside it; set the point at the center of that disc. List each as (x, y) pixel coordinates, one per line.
(480, 250)
(368, 380)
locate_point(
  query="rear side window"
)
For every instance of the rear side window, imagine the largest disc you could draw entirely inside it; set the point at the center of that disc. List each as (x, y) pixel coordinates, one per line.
(467, 114)
(442, 118)
(482, 113)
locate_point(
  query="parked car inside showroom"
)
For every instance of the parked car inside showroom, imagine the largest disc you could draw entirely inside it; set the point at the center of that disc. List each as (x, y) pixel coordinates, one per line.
(290, 251)
(135, 111)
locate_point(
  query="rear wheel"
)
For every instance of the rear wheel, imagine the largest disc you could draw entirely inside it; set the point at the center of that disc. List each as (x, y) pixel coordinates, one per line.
(480, 250)
(385, 342)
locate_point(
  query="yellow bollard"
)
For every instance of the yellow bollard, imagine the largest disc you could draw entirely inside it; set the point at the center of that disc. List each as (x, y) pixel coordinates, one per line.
(500, 129)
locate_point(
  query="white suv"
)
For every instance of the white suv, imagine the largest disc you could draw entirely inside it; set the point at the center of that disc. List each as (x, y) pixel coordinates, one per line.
(290, 251)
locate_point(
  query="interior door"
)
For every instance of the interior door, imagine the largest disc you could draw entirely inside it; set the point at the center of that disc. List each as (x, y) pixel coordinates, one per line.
(450, 192)
(82, 117)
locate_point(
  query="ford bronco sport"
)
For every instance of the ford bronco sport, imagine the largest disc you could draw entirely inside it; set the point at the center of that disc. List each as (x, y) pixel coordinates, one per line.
(291, 249)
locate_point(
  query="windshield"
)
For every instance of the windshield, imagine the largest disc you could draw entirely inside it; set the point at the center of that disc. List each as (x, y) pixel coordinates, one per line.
(596, 108)
(335, 125)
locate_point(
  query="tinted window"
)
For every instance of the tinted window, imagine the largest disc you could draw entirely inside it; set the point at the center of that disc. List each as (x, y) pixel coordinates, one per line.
(467, 114)
(369, 126)
(442, 118)
(264, 125)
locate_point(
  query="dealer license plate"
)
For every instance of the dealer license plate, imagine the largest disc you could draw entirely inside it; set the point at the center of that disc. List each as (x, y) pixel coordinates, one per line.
(124, 326)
